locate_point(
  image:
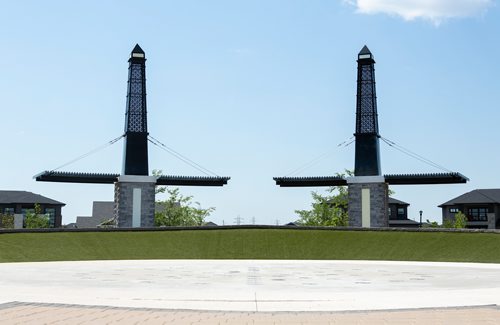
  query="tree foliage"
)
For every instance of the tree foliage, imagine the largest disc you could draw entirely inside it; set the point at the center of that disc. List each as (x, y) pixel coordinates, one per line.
(35, 219)
(460, 220)
(329, 209)
(326, 210)
(178, 210)
(7, 221)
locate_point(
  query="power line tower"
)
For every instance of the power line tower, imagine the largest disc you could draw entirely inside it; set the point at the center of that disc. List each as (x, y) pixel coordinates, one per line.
(238, 220)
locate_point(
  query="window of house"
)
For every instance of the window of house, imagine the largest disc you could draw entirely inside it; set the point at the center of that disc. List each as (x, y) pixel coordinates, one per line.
(454, 210)
(24, 211)
(401, 213)
(478, 214)
(51, 212)
(8, 211)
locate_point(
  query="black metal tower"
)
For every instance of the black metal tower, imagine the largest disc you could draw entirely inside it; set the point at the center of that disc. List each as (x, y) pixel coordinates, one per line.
(135, 154)
(367, 156)
(135, 149)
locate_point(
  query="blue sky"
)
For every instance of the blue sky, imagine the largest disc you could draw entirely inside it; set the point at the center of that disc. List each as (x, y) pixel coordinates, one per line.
(251, 90)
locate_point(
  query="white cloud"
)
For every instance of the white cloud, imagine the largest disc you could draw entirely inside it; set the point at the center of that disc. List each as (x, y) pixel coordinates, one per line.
(433, 10)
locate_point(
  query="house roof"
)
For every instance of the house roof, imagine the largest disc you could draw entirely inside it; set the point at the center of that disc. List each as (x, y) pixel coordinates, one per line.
(491, 195)
(396, 201)
(13, 197)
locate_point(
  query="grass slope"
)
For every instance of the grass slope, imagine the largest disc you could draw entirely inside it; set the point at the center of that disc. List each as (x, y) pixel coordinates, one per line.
(252, 244)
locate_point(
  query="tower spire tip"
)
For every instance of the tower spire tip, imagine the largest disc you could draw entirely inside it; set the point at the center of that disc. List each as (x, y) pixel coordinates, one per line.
(365, 53)
(137, 49)
(365, 50)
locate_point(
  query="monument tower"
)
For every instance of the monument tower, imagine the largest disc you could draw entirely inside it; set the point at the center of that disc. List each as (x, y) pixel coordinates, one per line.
(367, 156)
(135, 189)
(368, 189)
(134, 199)
(135, 154)
(368, 192)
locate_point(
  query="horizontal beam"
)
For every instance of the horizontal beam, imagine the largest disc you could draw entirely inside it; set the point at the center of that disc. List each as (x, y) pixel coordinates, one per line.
(92, 178)
(310, 181)
(423, 179)
(192, 180)
(73, 177)
(398, 179)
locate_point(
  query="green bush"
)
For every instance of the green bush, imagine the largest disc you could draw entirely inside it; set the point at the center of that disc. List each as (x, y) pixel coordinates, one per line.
(36, 220)
(7, 221)
(460, 220)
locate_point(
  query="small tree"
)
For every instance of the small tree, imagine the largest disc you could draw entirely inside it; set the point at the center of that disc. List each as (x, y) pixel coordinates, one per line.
(329, 209)
(323, 212)
(460, 220)
(177, 210)
(35, 219)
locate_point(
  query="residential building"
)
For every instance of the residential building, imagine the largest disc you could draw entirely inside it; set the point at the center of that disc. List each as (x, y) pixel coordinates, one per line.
(398, 215)
(101, 211)
(22, 202)
(481, 207)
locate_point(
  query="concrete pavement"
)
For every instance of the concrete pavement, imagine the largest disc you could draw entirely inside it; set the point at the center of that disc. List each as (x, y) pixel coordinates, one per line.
(252, 287)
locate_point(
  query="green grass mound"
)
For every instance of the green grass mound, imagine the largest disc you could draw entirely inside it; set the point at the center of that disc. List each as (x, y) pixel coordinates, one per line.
(251, 244)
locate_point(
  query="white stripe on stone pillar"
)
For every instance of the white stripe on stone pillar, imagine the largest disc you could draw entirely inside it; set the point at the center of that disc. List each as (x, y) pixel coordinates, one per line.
(365, 208)
(136, 207)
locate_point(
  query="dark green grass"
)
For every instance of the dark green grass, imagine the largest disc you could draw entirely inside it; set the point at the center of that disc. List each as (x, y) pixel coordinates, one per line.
(252, 244)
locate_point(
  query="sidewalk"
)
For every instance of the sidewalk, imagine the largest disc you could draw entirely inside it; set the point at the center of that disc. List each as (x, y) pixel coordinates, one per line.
(247, 290)
(27, 313)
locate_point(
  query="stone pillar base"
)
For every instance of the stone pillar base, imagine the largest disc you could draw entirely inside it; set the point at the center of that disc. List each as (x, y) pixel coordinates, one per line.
(135, 201)
(368, 204)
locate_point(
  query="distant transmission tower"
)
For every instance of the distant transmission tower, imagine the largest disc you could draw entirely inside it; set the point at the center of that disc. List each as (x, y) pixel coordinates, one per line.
(238, 220)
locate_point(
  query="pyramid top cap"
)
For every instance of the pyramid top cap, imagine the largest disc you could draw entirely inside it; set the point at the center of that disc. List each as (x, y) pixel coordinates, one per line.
(365, 53)
(137, 52)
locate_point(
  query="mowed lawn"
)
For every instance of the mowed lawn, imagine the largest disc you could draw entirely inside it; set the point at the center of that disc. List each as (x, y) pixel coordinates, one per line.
(252, 244)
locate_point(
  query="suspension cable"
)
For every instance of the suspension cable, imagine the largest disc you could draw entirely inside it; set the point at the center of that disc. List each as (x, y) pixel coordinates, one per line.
(107, 144)
(319, 158)
(413, 154)
(179, 156)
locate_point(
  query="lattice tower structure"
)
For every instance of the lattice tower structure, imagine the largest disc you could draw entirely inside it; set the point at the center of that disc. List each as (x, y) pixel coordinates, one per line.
(135, 155)
(367, 153)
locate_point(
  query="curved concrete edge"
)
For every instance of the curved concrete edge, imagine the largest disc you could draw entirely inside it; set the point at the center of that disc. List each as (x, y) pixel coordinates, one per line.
(253, 285)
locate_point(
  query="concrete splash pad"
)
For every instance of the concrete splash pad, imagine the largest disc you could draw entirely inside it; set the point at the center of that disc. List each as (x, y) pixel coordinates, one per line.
(253, 285)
